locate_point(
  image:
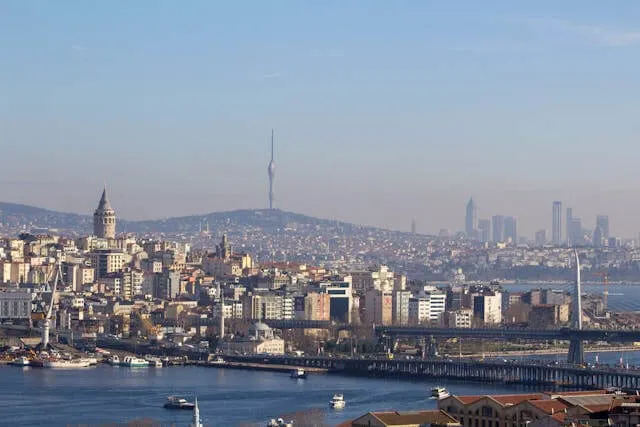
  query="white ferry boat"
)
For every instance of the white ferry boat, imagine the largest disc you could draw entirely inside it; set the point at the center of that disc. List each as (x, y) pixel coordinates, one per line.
(337, 402)
(175, 402)
(65, 364)
(134, 362)
(298, 374)
(439, 393)
(114, 360)
(279, 423)
(20, 361)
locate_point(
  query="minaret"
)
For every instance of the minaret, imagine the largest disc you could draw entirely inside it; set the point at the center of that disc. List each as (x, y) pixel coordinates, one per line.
(272, 173)
(196, 422)
(104, 218)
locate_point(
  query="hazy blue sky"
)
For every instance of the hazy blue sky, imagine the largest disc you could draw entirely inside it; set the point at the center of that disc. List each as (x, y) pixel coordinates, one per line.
(383, 110)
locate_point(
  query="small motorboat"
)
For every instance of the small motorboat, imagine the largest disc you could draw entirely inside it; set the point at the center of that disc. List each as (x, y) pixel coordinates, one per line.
(217, 361)
(439, 393)
(175, 402)
(337, 402)
(298, 374)
(20, 361)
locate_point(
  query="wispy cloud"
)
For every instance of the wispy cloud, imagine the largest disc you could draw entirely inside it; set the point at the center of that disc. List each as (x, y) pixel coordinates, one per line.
(271, 76)
(597, 34)
(78, 47)
(327, 54)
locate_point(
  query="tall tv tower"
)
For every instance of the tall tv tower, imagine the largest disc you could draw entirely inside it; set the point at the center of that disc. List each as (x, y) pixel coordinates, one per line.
(272, 174)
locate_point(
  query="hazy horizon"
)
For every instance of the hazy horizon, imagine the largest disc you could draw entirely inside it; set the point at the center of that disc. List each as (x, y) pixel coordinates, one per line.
(383, 112)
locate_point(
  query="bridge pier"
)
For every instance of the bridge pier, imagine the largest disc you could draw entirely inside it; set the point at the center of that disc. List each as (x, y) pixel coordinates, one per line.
(576, 351)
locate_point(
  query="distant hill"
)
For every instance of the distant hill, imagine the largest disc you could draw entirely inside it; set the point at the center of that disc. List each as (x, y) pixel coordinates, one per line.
(14, 216)
(265, 219)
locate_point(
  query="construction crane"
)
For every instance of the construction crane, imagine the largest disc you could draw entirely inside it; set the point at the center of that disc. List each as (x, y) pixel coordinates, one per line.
(605, 293)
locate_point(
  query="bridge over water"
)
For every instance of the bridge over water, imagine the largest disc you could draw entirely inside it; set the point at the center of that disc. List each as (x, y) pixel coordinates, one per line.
(499, 372)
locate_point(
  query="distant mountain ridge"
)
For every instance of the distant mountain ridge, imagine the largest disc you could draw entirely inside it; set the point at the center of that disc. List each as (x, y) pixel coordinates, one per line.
(15, 215)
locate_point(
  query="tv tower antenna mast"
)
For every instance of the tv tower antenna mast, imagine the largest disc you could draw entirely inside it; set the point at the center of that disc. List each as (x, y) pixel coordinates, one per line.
(272, 174)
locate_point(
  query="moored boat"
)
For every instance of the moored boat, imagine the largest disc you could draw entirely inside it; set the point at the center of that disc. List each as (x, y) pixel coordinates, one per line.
(217, 361)
(134, 362)
(20, 361)
(65, 364)
(154, 362)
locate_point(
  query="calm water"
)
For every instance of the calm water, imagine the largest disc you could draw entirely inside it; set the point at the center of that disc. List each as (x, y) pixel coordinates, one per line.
(105, 394)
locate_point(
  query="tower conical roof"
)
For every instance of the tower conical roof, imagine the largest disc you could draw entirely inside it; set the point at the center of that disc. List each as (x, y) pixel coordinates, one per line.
(104, 204)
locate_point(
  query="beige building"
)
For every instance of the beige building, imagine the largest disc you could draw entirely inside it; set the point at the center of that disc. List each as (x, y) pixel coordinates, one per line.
(260, 340)
(376, 278)
(546, 315)
(107, 261)
(459, 318)
(529, 410)
(317, 306)
(378, 307)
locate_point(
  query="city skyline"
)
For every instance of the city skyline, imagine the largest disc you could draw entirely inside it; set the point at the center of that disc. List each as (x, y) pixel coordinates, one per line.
(366, 109)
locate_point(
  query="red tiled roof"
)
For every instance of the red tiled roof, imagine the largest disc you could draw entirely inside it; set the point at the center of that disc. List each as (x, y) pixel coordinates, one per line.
(597, 408)
(514, 399)
(549, 406)
(467, 400)
(559, 416)
(414, 417)
(578, 393)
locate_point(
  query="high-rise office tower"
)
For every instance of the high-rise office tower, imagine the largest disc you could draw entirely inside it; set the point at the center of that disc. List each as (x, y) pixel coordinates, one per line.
(104, 218)
(556, 226)
(541, 238)
(498, 228)
(575, 234)
(511, 230)
(413, 226)
(272, 173)
(597, 237)
(471, 220)
(484, 230)
(568, 220)
(602, 221)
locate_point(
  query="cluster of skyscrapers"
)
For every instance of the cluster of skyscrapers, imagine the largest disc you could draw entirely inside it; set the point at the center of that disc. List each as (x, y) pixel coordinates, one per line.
(500, 229)
(504, 229)
(574, 233)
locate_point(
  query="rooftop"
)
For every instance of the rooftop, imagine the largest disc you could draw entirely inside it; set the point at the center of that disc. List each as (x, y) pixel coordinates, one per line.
(395, 418)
